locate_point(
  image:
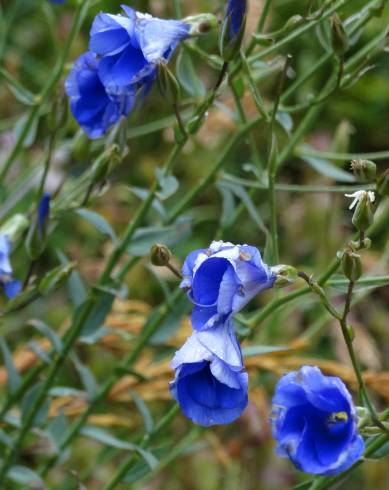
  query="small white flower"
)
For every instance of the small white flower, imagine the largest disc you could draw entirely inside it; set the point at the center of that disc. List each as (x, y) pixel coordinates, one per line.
(359, 195)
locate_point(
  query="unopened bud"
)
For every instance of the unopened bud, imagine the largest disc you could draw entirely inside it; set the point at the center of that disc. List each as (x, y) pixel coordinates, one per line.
(383, 183)
(232, 33)
(364, 170)
(285, 275)
(351, 265)
(160, 255)
(363, 215)
(200, 24)
(167, 84)
(104, 163)
(339, 38)
(293, 22)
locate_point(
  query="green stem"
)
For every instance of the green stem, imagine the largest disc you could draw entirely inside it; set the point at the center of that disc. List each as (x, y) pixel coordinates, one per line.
(128, 463)
(79, 16)
(357, 369)
(109, 383)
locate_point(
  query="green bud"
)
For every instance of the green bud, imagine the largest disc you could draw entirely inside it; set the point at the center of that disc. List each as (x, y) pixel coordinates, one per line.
(286, 275)
(363, 215)
(168, 84)
(339, 38)
(293, 22)
(34, 244)
(104, 164)
(160, 255)
(364, 170)
(15, 227)
(55, 278)
(351, 265)
(201, 24)
(383, 184)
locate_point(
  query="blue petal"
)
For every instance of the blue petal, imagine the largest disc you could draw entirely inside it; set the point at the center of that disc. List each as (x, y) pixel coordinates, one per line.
(191, 352)
(5, 250)
(187, 268)
(204, 317)
(229, 288)
(158, 38)
(12, 288)
(109, 42)
(206, 281)
(222, 342)
(125, 68)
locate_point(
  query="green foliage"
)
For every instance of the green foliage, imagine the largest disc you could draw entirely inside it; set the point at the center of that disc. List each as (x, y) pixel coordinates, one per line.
(255, 151)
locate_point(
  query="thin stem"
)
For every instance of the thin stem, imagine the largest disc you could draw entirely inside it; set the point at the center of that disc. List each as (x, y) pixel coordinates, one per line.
(221, 76)
(357, 369)
(317, 289)
(147, 438)
(272, 167)
(179, 119)
(109, 383)
(79, 16)
(174, 269)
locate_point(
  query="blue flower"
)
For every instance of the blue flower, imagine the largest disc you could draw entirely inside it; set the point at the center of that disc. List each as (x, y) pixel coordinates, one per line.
(314, 422)
(11, 286)
(210, 382)
(132, 45)
(236, 13)
(96, 108)
(222, 280)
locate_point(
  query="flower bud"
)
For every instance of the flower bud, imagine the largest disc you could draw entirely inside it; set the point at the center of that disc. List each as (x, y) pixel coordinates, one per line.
(339, 38)
(351, 265)
(383, 183)
(233, 29)
(200, 24)
(363, 215)
(364, 170)
(160, 255)
(104, 164)
(167, 84)
(285, 275)
(37, 234)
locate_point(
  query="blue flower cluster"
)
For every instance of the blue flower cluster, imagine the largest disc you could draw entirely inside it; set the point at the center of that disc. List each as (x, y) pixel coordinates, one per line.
(121, 65)
(313, 416)
(210, 379)
(314, 422)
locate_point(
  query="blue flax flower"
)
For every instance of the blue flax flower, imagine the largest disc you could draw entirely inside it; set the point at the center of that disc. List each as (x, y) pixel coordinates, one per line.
(314, 422)
(11, 286)
(95, 107)
(222, 279)
(210, 382)
(132, 45)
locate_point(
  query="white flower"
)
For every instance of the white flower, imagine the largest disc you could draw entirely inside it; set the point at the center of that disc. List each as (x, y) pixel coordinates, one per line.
(359, 195)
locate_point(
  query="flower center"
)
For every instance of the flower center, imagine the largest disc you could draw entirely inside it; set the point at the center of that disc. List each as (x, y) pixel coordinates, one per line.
(336, 418)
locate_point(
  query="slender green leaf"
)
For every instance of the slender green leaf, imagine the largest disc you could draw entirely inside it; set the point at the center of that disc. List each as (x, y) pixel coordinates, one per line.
(13, 377)
(98, 222)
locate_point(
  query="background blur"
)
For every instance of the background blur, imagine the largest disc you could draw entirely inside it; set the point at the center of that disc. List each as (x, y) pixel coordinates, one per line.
(313, 226)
